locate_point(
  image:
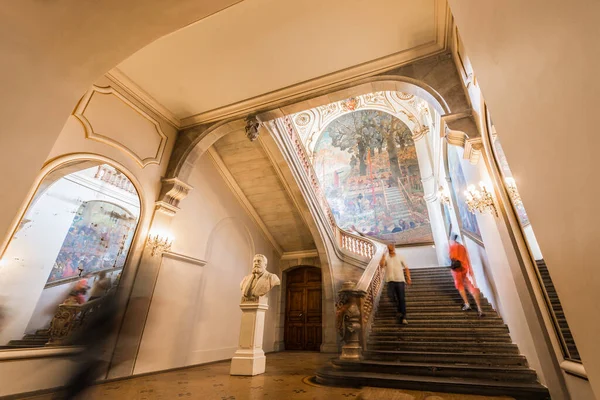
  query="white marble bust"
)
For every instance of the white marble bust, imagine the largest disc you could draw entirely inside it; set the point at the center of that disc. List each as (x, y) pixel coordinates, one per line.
(260, 281)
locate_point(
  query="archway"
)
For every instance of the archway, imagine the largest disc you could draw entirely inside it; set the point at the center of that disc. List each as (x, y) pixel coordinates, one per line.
(77, 230)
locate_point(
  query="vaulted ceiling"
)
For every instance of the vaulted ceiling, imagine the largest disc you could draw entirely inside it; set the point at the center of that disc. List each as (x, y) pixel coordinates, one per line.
(251, 175)
(263, 50)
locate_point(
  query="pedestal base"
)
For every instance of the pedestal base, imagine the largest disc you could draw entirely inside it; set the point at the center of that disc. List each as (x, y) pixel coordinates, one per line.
(248, 363)
(249, 359)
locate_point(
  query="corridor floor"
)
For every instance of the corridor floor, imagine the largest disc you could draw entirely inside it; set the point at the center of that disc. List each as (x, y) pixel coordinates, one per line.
(286, 378)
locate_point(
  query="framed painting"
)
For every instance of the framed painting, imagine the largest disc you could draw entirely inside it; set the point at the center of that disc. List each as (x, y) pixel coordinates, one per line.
(467, 219)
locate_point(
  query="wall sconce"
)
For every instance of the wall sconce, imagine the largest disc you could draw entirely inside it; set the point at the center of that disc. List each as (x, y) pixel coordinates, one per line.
(481, 201)
(159, 243)
(444, 195)
(511, 188)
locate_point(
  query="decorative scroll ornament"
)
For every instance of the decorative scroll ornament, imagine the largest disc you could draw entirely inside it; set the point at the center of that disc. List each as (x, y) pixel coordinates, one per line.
(252, 125)
(481, 201)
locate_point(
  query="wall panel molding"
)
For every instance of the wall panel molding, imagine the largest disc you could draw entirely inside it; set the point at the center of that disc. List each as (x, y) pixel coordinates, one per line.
(99, 126)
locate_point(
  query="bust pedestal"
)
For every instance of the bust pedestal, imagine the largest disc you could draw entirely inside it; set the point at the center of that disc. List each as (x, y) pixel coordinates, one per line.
(249, 359)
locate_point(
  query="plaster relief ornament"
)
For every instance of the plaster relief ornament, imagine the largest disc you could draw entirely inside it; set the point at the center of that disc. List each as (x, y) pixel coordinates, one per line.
(260, 281)
(252, 125)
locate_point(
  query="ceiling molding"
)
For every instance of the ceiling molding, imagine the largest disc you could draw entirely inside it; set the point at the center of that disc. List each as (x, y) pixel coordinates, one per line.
(235, 188)
(302, 90)
(311, 87)
(116, 76)
(295, 255)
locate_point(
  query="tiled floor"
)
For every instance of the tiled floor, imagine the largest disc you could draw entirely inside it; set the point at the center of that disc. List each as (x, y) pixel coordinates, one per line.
(286, 378)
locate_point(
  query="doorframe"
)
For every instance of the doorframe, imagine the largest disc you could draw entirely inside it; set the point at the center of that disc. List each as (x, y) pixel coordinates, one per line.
(280, 344)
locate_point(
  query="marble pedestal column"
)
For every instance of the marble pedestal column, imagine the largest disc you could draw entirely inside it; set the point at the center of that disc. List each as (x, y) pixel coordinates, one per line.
(249, 359)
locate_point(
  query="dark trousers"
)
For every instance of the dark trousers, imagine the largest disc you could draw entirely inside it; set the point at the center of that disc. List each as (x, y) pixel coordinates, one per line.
(396, 291)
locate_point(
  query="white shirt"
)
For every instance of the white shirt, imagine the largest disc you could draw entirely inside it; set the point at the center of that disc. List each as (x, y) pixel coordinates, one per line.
(394, 271)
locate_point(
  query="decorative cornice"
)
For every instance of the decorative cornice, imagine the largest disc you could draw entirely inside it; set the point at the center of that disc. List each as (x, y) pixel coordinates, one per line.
(456, 138)
(473, 149)
(116, 76)
(294, 255)
(235, 188)
(166, 208)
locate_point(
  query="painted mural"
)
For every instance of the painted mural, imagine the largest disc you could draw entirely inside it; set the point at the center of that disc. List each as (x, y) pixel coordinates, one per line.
(468, 221)
(99, 238)
(367, 164)
(523, 218)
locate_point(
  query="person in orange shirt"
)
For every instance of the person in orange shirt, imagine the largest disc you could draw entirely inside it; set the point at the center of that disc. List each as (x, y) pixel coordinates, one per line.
(463, 273)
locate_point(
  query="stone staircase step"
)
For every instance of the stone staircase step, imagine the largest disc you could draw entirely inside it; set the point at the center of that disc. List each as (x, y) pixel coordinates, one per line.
(449, 346)
(460, 330)
(522, 390)
(446, 358)
(417, 338)
(504, 372)
(417, 320)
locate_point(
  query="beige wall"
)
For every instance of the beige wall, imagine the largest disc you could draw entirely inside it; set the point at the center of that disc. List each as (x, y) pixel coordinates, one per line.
(45, 74)
(537, 66)
(194, 315)
(73, 143)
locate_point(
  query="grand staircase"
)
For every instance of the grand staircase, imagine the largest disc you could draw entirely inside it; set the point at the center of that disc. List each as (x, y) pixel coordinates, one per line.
(441, 349)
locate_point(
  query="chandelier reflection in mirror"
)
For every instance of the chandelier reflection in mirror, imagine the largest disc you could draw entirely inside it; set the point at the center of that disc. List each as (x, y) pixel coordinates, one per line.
(159, 243)
(480, 200)
(511, 188)
(444, 195)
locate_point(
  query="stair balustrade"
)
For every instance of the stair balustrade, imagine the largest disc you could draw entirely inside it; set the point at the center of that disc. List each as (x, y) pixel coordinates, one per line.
(69, 319)
(357, 303)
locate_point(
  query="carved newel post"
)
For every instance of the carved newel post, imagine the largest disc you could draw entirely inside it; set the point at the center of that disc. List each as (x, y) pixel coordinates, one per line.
(350, 321)
(249, 359)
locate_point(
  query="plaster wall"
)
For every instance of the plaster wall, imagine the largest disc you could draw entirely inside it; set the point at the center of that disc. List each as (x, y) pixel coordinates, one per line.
(194, 315)
(512, 46)
(419, 256)
(71, 144)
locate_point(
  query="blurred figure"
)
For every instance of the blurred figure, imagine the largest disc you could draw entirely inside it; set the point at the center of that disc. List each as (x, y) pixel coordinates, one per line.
(77, 295)
(397, 276)
(92, 337)
(100, 287)
(463, 274)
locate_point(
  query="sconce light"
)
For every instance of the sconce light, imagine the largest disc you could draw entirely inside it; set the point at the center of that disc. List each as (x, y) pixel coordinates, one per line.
(511, 188)
(444, 195)
(481, 201)
(159, 243)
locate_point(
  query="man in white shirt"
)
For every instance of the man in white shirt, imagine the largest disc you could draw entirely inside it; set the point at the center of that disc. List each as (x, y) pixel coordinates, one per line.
(395, 270)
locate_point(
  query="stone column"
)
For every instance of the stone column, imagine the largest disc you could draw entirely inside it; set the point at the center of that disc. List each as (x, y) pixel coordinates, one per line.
(430, 194)
(249, 359)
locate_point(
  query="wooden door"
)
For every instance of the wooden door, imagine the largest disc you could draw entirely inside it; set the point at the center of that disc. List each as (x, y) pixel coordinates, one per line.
(303, 309)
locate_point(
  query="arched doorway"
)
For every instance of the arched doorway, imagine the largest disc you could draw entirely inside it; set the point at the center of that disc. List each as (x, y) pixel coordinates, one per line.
(303, 318)
(77, 230)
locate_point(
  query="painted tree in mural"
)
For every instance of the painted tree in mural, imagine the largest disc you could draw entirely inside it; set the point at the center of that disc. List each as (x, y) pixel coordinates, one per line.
(362, 132)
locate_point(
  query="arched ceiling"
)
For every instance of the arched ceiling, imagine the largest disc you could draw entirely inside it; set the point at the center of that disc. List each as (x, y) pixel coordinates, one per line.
(276, 48)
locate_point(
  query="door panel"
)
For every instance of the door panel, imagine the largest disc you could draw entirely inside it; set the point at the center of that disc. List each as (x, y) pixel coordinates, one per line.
(303, 319)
